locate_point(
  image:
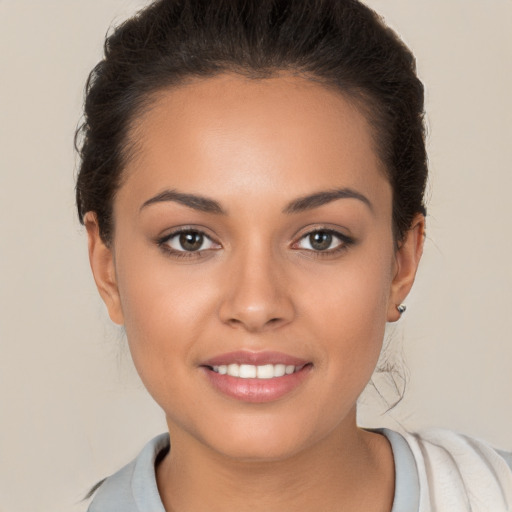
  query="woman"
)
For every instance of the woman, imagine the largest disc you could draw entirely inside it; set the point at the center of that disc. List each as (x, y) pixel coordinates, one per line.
(252, 185)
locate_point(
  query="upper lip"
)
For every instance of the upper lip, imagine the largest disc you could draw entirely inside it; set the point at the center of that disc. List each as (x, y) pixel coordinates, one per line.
(254, 358)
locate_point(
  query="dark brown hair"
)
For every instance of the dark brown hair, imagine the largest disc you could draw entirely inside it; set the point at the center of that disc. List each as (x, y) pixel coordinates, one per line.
(341, 43)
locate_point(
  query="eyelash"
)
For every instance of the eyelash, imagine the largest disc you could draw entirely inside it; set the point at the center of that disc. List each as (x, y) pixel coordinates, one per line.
(345, 242)
(163, 243)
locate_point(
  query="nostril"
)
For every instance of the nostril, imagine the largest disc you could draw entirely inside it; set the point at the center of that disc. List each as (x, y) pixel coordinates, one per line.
(255, 324)
(255, 312)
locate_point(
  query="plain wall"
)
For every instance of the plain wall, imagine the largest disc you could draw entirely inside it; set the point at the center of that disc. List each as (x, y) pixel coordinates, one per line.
(72, 409)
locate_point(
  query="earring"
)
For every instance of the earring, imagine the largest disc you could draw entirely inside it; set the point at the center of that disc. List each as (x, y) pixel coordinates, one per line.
(401, 308)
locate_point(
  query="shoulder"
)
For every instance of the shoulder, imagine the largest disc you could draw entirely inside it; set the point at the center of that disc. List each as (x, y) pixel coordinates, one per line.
(458, 472)
(446, 445)
(133, 488)
(115, 491)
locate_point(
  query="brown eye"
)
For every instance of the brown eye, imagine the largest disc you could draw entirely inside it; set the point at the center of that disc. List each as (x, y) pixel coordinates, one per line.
(320, 240)
(324, 241)
(191, 241)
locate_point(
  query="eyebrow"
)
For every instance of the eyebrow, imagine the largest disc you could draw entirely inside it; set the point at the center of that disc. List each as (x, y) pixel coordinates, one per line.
(207, 205)
(320, 198)
(200, 203)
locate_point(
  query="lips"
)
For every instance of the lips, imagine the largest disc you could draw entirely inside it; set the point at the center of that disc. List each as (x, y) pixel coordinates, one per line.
(256, 376)
(254, 358)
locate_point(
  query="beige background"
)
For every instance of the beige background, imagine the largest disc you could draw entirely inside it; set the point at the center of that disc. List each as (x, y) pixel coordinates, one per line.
(71, 407)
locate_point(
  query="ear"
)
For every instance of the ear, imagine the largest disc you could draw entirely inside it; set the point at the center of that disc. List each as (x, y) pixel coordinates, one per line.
(407, 259)
(101, 259)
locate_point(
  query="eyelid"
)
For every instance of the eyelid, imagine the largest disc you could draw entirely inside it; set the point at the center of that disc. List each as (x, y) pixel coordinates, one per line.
(163, 244)
(177, 236)
(337, 230)
(345, 241)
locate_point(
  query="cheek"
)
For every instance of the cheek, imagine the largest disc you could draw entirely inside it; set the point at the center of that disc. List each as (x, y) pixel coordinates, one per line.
(155, 291)
(348, 308)
(355, 292)
(166, 307)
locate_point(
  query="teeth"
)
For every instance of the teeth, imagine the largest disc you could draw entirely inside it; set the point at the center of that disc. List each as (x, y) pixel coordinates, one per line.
(265, 372)
(233, 370)
(249, 371)
(280, 370)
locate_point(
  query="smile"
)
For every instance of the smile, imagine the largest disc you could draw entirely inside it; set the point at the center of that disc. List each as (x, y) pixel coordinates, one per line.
(250, 371)
(256, 377)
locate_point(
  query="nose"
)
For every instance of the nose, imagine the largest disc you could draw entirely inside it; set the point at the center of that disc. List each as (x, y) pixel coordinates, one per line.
(256, 294)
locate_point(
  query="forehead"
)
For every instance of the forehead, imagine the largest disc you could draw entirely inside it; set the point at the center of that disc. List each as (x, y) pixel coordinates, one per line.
(234, 135)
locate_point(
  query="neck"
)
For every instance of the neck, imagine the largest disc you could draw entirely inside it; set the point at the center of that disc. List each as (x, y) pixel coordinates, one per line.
(351, 469)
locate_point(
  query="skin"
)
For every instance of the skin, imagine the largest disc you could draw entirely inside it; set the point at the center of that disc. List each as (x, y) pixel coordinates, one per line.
(254, 147)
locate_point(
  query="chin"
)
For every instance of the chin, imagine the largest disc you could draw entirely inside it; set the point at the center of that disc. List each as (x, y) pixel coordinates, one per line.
(263, 438)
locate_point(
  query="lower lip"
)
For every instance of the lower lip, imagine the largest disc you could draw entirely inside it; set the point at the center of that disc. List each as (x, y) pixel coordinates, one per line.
(257, 390)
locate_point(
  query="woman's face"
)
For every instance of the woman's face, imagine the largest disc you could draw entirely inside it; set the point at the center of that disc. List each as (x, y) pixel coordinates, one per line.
(253, 235)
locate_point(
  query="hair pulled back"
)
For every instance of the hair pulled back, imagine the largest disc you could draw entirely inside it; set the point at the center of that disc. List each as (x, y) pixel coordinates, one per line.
(341, 43)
